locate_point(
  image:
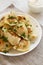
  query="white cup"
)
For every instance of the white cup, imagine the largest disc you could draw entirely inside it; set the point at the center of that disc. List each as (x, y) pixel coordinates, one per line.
(35, 7)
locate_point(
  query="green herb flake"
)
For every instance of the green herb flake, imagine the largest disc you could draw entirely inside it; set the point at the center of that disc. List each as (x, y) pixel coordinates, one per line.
(15, 30)
(5, 51)
(4, 28)
(9, 28)
(10, 22)
(11, 17)
(17, 26)
(26, 25)
(14, 22)
(30, 25)
(20, 25)
(4, 39)
(23, 35)
(6, 45)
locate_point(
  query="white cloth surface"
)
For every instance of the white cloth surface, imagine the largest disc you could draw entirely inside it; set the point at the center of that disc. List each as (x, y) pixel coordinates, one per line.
(4, 4)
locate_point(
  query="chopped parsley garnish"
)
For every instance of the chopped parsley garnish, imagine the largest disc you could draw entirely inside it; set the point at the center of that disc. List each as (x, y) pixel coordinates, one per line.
(5, 51)
(9, 28)
(10, 22)
(30, 25)
(14, 22)
(4, 39)
(17, 26)
(4, 28)
(6, 45)
(21, 25)
(11, 17)
(23, 34)
(26, 25)
(15, 30)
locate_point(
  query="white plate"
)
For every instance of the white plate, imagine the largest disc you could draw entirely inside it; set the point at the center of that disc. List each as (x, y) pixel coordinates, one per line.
(32, 46)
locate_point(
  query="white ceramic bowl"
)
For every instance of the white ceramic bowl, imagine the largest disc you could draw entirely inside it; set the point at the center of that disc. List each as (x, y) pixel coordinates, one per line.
(32, 46)
(35, 8)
